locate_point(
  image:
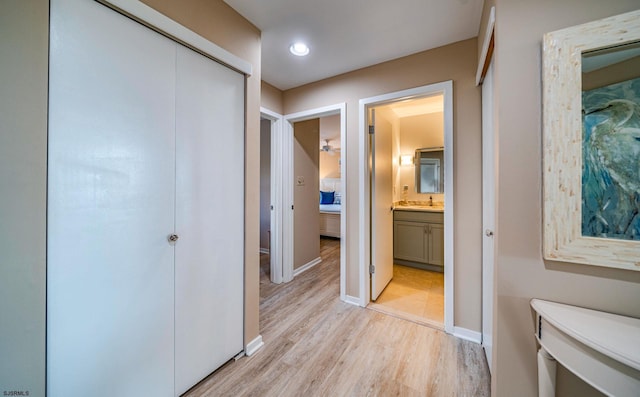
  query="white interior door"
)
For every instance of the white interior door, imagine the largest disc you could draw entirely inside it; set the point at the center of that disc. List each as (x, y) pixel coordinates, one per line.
(488, 212)
(209, 217)
(110, 205)
(275, 242)
(381, 203)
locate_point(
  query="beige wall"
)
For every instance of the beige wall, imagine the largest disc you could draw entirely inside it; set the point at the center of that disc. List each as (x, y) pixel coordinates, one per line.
(330, 128)
(455, 62)
(219, 23)
(271, 98)
(306, 217)
(522, 274)
(616, 73)
(330, 163)
(265, 183)
(24, 26)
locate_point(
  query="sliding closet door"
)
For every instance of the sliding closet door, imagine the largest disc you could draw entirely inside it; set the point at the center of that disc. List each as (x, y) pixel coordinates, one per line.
(110, 205)
(209, 216)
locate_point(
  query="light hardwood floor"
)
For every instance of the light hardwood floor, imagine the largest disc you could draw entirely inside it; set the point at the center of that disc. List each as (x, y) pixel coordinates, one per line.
(316, 345)
(414, 294)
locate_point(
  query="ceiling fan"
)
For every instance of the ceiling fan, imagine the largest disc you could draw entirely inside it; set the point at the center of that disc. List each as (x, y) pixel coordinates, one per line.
(328, 148)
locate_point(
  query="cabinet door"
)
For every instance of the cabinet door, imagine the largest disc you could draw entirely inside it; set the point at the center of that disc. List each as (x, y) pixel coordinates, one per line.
(436, 244)
(110, 205)
(209, 217)
(409, 241)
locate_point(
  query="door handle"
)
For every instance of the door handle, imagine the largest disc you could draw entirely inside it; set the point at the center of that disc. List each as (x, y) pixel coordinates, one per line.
(173, 238)
(488, 233)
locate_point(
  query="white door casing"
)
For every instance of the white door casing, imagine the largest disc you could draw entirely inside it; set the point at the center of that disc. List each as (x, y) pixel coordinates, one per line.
(364, 244)
(381, 204)
(286, 170)
(276, 201)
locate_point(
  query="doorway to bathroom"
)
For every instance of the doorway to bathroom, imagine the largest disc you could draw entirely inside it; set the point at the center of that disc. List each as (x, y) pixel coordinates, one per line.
(409, 204)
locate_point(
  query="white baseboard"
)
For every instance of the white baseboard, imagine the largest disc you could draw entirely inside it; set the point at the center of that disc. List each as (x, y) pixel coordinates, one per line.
(467, 334)
(264, 250)
(306, 266)
(254, 346)
(351, 300)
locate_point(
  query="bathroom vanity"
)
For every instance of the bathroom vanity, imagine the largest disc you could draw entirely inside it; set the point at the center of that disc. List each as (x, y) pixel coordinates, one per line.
(418, 236)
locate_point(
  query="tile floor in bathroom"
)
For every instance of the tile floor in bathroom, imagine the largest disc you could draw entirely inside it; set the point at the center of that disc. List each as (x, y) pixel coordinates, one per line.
(414, 294)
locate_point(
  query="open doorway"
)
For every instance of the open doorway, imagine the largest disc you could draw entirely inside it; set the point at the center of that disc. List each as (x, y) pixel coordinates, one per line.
(313, 175)
(407, 170)
(271, 196)
(265, 198)
(317, 192)
(408, 222)
(323, 130)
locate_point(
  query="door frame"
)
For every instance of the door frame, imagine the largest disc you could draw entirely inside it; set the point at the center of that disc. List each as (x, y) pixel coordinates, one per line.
(288, 182)
(486, 67)
(276, 202)
(364, 244)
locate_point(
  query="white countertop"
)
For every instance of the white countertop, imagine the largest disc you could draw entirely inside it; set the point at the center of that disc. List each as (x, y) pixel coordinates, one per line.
(423, 208)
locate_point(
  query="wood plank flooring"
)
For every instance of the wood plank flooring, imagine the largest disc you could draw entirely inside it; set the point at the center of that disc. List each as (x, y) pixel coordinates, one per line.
(316, 345)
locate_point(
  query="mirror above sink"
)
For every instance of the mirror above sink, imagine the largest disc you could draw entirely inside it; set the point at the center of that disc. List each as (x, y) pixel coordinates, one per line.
(429, 170)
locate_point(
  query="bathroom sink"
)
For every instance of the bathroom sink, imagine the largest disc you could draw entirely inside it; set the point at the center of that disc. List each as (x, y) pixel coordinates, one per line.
(421, 207)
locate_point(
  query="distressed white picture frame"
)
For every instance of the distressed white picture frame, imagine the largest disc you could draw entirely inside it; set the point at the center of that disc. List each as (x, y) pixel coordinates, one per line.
(562, 144)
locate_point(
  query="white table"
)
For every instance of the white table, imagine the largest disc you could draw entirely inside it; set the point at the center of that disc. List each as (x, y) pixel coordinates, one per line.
(601, 348)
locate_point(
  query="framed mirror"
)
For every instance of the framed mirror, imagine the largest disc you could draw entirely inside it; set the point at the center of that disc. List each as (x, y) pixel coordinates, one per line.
(591, 143)
(429, 170)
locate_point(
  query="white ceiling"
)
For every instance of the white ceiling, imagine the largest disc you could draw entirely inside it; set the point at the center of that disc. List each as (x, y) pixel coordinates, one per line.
(346, 35)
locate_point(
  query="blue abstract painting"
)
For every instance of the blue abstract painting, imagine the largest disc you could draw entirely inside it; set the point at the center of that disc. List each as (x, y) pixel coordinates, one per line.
(611, 161)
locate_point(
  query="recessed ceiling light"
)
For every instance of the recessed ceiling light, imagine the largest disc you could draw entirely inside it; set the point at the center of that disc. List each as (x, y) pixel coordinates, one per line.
(299, 49)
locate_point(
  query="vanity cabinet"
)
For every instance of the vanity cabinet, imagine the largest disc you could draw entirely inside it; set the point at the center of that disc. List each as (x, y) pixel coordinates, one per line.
(418, 237)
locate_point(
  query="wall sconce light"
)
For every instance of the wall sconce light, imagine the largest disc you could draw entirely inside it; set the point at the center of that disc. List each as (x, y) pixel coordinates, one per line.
(406, 159)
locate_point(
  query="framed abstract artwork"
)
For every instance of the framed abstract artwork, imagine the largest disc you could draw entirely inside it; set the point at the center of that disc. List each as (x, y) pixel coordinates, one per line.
(591, 143)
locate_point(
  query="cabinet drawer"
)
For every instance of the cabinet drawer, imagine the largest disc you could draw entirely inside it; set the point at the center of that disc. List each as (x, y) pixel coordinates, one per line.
(418, 216)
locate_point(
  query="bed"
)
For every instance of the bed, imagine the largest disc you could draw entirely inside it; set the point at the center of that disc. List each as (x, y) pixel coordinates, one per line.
(330, 209)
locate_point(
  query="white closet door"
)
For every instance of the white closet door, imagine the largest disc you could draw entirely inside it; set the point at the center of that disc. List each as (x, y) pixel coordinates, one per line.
(110, 205)
(209, 216)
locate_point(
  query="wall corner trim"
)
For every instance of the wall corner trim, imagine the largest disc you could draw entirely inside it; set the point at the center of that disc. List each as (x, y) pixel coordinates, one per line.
(254, 346)
(467, 334)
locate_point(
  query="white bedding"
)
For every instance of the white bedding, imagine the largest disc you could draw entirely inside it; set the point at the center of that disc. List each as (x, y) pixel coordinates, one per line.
(334, 208)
